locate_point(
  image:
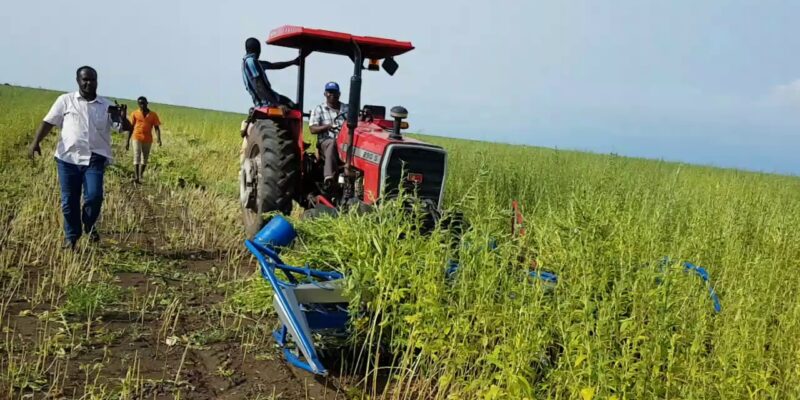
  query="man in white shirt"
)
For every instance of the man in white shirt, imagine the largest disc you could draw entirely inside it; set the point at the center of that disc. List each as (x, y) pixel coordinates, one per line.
(83, 151)
(325, 122)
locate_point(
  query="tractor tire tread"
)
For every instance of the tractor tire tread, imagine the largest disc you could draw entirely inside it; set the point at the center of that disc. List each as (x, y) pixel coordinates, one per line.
(280, 169)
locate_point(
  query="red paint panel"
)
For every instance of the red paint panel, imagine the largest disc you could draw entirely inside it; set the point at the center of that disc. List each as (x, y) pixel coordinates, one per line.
(371, 138)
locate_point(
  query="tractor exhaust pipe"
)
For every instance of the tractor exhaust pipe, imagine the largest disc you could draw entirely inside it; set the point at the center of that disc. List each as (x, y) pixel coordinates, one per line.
(352, 121)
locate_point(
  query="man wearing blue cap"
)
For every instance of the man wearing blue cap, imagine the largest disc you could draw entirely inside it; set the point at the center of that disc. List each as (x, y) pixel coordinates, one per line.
(325, 122)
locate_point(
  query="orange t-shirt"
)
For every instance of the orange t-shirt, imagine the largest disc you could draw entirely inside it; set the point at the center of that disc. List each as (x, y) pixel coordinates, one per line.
(143, 125)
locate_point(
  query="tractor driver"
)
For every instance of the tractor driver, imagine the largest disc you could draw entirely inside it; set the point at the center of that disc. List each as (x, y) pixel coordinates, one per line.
(255, 77)
(325, 122)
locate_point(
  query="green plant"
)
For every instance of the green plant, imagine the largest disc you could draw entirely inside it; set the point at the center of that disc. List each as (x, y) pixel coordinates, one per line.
(86, 300)
(615, 326)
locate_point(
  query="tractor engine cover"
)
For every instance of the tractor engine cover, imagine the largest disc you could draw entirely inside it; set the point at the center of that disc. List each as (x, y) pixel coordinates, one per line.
(386, 164)
(419, 169)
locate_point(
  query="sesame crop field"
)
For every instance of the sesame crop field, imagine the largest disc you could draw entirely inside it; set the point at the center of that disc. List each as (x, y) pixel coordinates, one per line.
(171, 305)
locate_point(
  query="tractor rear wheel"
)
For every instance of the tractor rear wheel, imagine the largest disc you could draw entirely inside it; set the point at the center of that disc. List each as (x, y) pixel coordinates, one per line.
(270, 170)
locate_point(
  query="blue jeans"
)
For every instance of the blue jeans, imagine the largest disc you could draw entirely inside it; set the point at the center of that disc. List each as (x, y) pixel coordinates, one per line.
(73, 178)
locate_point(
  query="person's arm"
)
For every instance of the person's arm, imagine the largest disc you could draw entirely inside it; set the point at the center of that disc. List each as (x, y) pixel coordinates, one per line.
(280, 64)
(341, 119)
(130, 133)
(126, 125)
(317, 129)
(254, 73)
(315, 125)
(44, 128)
(118, 120)
(157, 125)
(54, 117)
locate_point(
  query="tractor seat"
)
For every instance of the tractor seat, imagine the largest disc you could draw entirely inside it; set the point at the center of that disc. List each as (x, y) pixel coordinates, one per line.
(320, 293)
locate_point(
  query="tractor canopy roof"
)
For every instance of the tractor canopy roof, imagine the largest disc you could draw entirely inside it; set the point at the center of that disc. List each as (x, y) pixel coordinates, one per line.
(339, 43)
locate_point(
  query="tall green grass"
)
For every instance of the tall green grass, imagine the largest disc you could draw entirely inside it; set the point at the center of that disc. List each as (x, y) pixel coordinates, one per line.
(617, 325)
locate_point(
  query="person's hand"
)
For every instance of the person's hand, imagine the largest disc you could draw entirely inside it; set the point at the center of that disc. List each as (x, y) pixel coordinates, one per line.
(33, 149)
(118, 109)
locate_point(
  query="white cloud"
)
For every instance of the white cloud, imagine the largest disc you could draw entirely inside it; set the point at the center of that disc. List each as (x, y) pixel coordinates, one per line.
(786, 94)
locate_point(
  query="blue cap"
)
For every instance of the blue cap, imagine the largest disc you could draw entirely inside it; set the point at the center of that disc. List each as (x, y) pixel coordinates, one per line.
(331, 87)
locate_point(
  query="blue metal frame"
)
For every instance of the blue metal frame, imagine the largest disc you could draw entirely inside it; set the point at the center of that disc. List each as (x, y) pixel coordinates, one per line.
(704, 275)
(334, 316)
(546, 277)
(314, 317)
(549, 278)
(296, 316)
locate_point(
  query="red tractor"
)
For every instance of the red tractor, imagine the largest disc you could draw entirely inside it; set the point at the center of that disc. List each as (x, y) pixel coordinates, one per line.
(277, 169)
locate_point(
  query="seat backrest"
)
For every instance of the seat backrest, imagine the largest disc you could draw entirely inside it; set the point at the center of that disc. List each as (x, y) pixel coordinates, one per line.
(376, 112)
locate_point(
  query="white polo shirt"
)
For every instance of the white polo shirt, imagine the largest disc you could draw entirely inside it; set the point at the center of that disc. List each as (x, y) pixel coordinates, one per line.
(85, 127)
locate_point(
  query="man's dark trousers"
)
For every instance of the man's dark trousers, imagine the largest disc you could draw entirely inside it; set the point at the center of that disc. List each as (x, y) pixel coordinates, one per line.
(330, 155)
(73, 178)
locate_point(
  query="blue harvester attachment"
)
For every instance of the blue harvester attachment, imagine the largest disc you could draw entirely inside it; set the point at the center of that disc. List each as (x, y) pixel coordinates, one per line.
(307, 302)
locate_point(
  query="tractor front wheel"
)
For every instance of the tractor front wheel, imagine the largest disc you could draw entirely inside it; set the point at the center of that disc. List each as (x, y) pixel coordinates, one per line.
(270, 169)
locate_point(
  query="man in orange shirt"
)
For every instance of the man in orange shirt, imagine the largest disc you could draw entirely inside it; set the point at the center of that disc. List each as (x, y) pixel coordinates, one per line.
(143, 121)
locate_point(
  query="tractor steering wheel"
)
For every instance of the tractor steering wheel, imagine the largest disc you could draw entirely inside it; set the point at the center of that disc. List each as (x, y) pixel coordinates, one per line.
(337, 128)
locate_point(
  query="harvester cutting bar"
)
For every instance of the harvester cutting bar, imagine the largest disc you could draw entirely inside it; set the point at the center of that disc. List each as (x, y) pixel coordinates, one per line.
(546, 277)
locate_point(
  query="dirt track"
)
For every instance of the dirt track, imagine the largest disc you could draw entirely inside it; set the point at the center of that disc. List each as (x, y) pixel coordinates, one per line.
(168, 335)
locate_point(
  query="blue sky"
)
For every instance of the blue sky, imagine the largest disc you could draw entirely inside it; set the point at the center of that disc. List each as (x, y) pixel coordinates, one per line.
(710, 82)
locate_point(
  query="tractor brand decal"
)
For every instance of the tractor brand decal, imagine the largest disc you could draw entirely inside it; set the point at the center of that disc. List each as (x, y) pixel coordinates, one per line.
(365, 155)
(415, 178)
